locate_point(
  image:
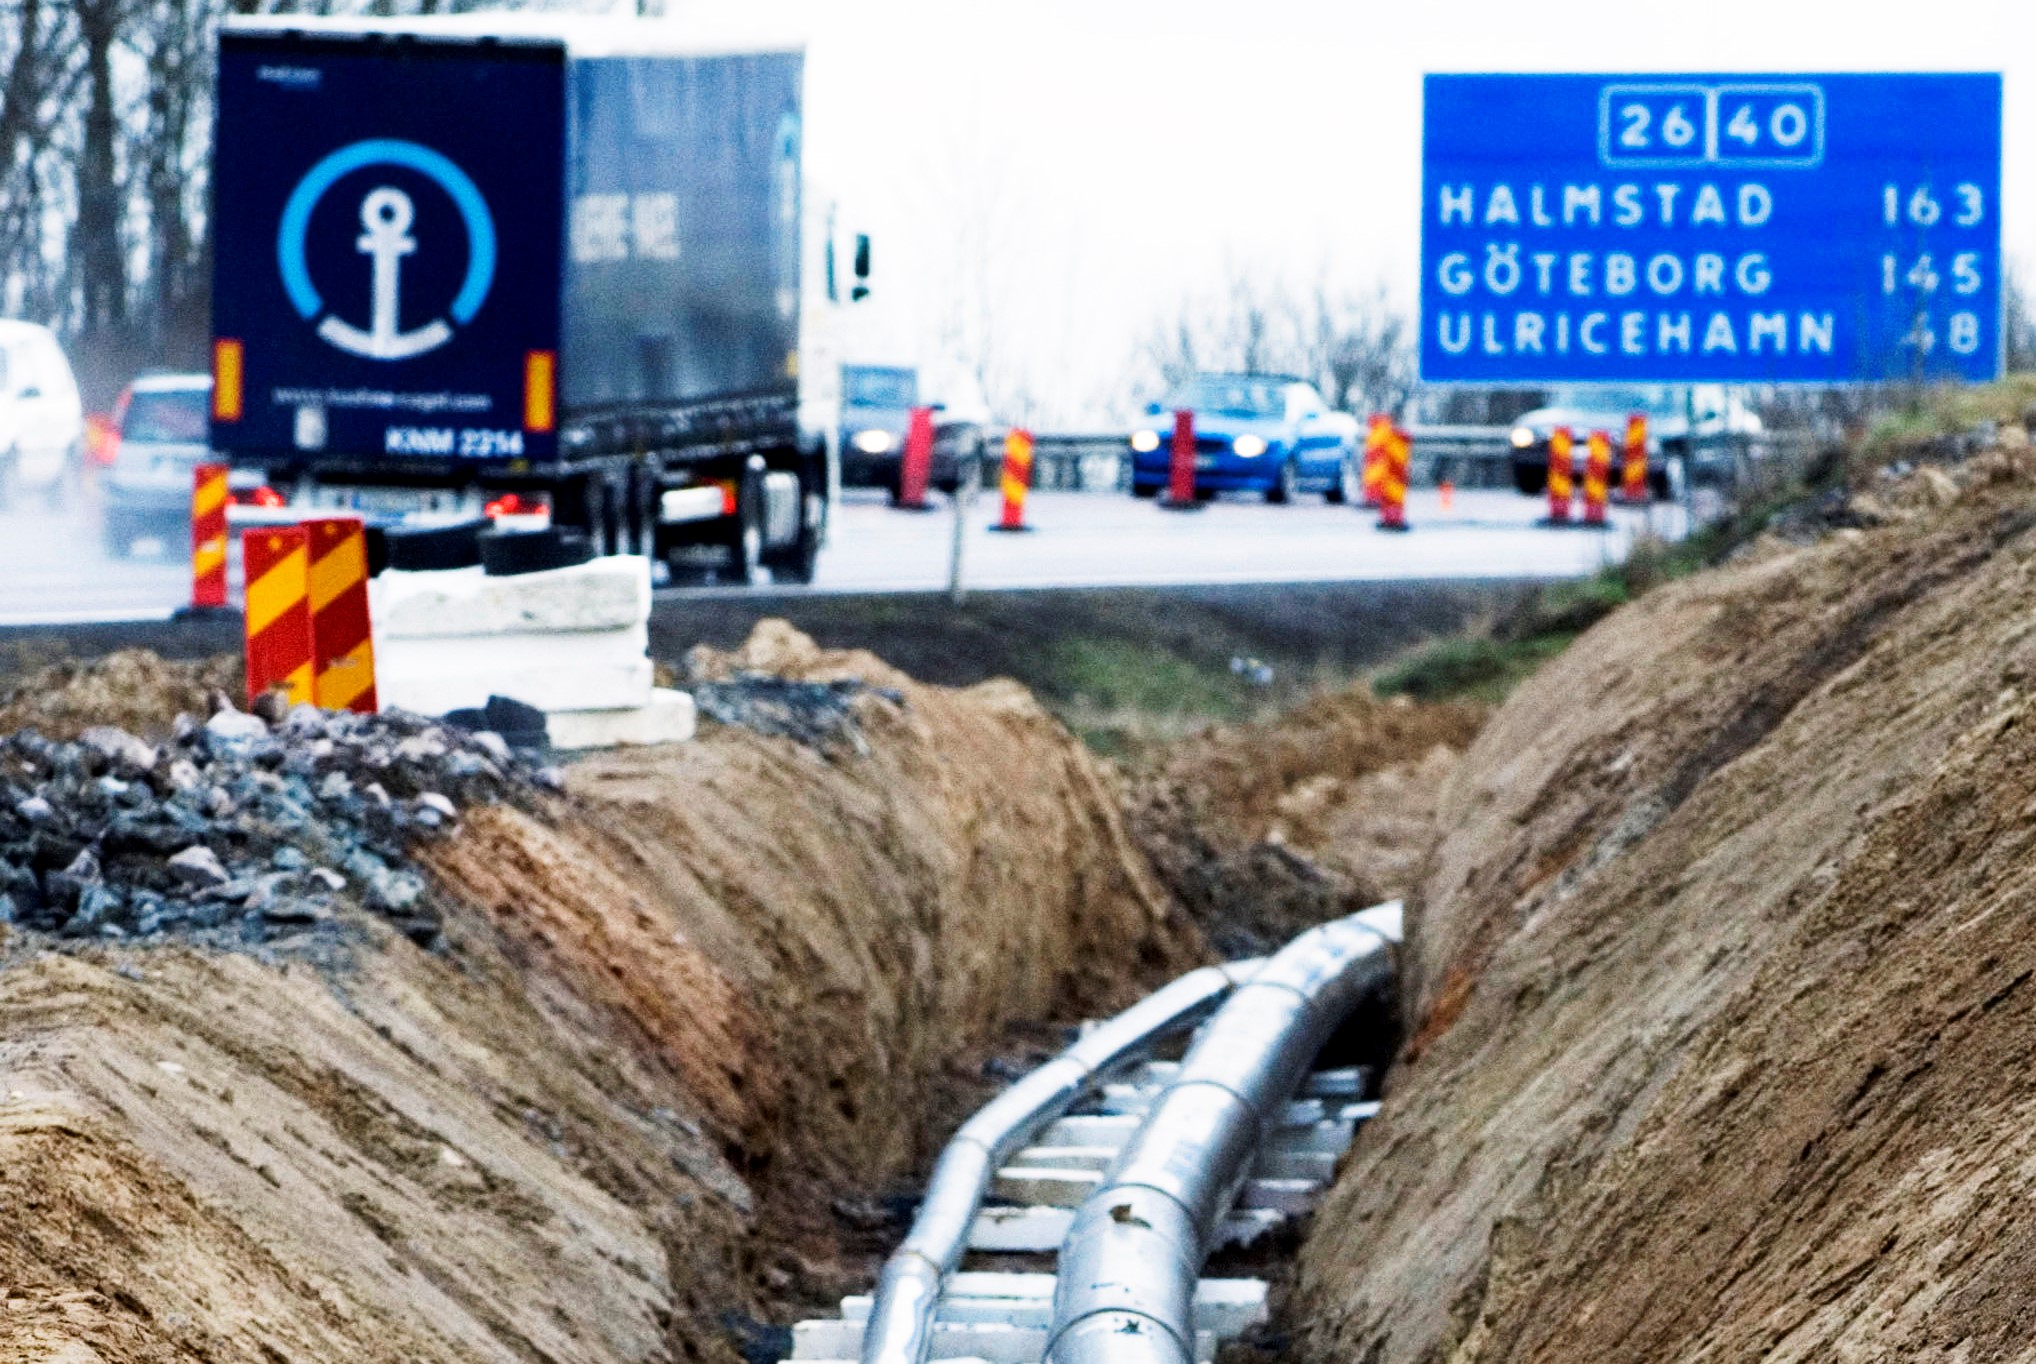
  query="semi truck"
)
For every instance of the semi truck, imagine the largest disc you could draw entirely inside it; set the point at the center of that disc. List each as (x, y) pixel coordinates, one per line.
(505, 264)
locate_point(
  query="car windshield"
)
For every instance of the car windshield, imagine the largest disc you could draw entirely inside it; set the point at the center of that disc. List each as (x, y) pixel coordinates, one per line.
(1608, 398)
(1227, 397)
(172, 416)
(881, 387)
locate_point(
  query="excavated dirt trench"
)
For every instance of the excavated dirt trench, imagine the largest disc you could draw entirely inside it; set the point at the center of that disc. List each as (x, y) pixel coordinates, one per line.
(684, 1029)
(1725, 1040)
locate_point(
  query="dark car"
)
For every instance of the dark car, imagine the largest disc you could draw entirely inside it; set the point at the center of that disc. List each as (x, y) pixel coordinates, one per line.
(161, 425)
(1721, 422)
(876, 406)
(1265, 433)
(876, 413)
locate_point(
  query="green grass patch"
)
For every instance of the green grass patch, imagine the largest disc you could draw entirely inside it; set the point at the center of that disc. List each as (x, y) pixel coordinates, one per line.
(1120, 695)
(1118, 674)
(1916, 419)
(1470, 668)
(1486, 665)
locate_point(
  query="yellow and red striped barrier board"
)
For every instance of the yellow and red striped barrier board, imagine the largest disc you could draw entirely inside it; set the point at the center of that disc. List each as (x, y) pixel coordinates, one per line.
(1377, 436)
(1396, 459)
(279, 654)
(1634, 478)
(1597, 477)
(208, 535)
(342, 645)
(1561, 472)
(1017, 478)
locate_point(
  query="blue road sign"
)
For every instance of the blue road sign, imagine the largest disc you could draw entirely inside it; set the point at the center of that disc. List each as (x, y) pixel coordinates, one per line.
(1710, 229)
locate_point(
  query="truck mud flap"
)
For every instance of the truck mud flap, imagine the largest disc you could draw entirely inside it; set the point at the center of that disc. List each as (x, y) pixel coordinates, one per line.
(428, 548)
(782, 510)
(504, 554)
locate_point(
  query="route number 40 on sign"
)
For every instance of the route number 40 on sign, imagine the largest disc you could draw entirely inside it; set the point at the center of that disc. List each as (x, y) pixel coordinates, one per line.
(1795, 229)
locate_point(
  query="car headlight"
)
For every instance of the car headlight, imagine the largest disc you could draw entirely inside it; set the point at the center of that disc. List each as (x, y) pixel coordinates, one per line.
(872, 442)
(1251, 447)
(1145, 442)
(1523, 437)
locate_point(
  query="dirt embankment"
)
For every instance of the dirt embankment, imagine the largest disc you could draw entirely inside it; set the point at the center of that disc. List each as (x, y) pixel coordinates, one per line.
(1722, 977)
(130, 689)
(1265, 829)
(712, 988)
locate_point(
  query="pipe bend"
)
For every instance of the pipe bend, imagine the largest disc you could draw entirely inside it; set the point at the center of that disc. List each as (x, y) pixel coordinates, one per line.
(900, 1327)
(1126, 1292)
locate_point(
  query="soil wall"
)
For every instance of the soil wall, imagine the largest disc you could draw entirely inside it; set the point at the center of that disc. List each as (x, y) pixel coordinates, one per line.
(710, 991)
(1725, 1044)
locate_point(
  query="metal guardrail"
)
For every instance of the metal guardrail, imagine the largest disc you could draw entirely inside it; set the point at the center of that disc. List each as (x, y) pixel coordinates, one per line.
(1081, 461)
(1468, 456)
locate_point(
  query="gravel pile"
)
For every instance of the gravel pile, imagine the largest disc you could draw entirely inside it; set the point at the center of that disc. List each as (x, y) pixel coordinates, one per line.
(237, 828)
(817, 714)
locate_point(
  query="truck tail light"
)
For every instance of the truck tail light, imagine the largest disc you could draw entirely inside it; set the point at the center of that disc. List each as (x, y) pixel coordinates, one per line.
(102, 439)
(540, 391)
(264, 496)
(510, 505)
(226, 379)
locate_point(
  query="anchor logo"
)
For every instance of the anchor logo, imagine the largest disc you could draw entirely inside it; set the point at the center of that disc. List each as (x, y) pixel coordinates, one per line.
(386, 214)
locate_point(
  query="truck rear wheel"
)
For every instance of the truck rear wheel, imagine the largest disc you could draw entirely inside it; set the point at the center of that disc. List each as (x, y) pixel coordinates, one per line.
(746, 528)
(800, 560)
(640, 531)
(606, 503)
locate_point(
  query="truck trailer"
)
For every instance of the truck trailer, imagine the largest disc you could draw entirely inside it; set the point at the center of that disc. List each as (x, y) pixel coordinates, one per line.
(465, 265)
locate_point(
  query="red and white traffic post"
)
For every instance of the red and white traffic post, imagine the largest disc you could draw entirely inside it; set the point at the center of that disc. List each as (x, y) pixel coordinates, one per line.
(1180, 492)
(915, 464)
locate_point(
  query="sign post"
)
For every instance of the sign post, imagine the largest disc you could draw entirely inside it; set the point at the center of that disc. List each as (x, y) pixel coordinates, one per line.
(1711, 229)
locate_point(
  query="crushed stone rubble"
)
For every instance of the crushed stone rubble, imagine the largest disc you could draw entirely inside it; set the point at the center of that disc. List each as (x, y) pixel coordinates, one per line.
(237, 828)
(817, 714)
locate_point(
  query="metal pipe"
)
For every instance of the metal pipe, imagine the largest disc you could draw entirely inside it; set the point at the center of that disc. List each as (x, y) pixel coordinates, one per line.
(1125, 1291)
(900, 1326)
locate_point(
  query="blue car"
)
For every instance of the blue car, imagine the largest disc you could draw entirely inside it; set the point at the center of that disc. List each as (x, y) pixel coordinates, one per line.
(1265, 433)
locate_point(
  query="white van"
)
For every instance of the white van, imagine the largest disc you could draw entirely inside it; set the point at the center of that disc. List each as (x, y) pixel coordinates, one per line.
(42, 423)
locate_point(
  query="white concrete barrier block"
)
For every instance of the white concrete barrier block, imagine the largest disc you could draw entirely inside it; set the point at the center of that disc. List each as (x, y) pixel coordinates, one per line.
(417, 655)
(668, 719)
(571, 687)
(603, 594)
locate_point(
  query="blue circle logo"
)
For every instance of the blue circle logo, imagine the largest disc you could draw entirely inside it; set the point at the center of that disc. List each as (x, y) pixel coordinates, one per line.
(386, 214)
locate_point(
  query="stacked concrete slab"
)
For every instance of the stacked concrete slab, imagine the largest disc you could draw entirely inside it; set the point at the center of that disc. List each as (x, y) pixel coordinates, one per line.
(572, 642)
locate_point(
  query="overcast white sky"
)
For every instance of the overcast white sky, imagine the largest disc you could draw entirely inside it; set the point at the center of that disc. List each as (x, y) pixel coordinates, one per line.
(1089, 163)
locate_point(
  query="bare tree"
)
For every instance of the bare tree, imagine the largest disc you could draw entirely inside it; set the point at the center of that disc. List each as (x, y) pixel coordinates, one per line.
(172, 157)
(1361, 351)
(95, 233)
(1353, 346)
(105, 124)
(2018, 327)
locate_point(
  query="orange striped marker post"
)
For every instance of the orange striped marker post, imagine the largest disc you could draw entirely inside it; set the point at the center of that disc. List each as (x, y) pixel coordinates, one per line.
(279, 653)
(342, 644)
(1597, 478)
(1377, 436)
(1017, 479)
(1561, 474)
(1395, 464)
(208, 537)
(1633, 483)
